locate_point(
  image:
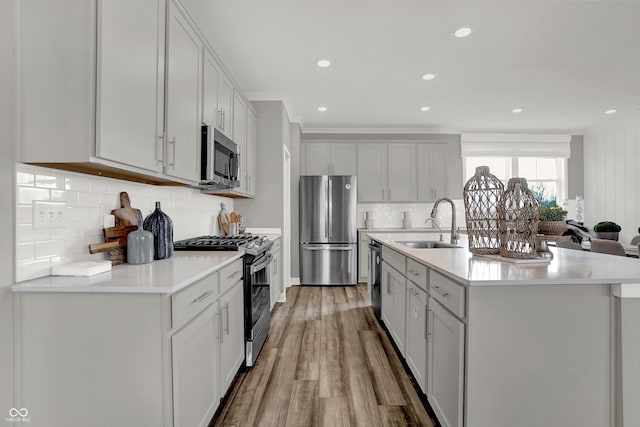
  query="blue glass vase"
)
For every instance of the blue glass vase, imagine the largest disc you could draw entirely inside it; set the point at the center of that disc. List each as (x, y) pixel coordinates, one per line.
(161, 226)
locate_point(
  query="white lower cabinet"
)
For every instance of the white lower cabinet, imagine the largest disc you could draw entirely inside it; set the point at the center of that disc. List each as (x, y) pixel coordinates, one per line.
(231, 333)
(194, 351)
(148, 359)
(394, 304)
(417, 334)
(445, 389)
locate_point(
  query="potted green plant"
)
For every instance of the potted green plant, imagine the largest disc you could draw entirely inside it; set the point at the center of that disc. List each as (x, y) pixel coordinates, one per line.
(607, 230)
(552, 220)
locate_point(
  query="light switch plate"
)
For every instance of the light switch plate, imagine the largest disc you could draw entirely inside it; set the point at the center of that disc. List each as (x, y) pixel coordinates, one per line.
(48, 215)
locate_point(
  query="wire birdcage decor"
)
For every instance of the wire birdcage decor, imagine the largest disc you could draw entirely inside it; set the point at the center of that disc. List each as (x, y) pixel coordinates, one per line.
(481, 197)
(519, 210)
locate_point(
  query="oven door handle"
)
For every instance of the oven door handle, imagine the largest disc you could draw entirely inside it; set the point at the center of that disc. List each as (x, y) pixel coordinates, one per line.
(257, 267)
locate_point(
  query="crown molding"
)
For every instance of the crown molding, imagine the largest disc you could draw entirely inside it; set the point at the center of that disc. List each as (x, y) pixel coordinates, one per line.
(388, 131)
(275, 96)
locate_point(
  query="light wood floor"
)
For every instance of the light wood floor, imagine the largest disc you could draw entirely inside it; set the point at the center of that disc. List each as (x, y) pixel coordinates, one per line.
(327, 362)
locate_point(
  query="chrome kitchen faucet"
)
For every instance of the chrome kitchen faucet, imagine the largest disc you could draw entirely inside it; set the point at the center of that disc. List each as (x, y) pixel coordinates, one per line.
(454, 231)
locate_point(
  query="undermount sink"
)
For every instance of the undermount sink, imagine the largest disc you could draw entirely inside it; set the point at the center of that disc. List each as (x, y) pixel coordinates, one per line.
(428, 244)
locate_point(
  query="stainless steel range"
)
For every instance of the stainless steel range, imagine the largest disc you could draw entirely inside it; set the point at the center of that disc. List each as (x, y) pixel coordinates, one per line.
(257, 258)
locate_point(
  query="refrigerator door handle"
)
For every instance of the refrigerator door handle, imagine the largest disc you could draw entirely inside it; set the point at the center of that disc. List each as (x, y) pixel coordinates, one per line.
(330, 210)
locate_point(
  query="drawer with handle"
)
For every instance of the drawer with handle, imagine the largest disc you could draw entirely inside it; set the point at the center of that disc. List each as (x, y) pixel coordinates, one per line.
(448, 293)
(417, 273)
(230, 275)
(395, 260)
(193, 299)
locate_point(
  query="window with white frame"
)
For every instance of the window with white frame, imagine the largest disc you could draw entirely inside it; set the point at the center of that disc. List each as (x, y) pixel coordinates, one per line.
(546, 176)
(541, 159)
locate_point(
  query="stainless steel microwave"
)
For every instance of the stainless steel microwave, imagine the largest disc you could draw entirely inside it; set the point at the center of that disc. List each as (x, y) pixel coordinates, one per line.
(220, 160)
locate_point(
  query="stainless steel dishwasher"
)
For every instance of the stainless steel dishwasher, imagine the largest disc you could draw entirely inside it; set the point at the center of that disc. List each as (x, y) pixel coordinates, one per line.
(375, 274)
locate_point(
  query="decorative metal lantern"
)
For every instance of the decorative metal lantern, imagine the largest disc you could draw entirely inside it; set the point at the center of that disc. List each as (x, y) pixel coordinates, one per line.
(481, 197)
(519, 210)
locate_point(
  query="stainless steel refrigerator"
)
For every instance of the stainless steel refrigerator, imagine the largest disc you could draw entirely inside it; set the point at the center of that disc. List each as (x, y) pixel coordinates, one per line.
(328, 234)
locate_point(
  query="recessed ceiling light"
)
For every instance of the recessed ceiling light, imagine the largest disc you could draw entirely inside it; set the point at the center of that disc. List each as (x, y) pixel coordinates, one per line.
(324, 63)
(612, 111)
(517, 110)
(428, 76)
(462, 32)
(322, 109)
(425, 108)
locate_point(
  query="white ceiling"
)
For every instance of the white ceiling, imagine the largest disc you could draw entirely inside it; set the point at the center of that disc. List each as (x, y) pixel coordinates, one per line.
(564, 62)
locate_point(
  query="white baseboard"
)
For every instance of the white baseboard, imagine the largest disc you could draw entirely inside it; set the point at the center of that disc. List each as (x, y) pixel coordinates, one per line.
(282, 297)
(294, 281)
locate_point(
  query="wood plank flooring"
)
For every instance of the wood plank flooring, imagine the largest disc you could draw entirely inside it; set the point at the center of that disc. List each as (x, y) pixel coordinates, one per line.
(326, 362)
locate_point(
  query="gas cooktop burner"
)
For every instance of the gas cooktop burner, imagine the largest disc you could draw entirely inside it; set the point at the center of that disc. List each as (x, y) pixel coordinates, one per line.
(249, 242)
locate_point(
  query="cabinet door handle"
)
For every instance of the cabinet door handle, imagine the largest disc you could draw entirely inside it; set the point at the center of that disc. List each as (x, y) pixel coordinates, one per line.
(219, 336)
(388, 286)
(172, 142)
(439, 290)
(383, 194)
(389, 193)
(234, 275)
(201, 297)
(226, 309)
(426, 323)
(413, 272)
(219, 119)
(160, 149)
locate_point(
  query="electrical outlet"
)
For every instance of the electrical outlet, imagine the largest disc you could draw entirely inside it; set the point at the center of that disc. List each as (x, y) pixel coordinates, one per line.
(49, 214)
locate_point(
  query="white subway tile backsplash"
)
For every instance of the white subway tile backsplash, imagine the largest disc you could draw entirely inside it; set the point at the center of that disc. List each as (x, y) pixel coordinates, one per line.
(25, 178)
(50, 180)
(99, 186)
(24, 215)
(76, 183)
(26, 270)
(25, 251)
(88, 199)
(26, 233)
(26, 195)
(49, 248)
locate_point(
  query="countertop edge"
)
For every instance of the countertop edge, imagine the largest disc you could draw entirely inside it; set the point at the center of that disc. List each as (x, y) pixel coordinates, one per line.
(31, 287)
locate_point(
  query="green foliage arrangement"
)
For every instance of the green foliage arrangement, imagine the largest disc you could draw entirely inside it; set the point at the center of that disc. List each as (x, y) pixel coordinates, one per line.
(606, 227)
(552, 213)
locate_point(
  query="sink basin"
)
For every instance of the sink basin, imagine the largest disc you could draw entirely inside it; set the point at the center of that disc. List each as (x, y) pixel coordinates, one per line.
(428, 244)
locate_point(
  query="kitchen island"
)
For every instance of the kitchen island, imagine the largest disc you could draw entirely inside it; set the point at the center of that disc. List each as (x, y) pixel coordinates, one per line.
(495, 343)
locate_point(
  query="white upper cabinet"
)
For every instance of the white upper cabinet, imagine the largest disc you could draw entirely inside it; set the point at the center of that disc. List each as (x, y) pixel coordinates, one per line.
(226, 107)
(184, 55)
(372, 172)
(240, 137)
(343, 159)
(439, 172)
(401, 164)
(210, 79)
(130, 82)
(316, 158)
(321, 158)
(118, 88)
(251, 153)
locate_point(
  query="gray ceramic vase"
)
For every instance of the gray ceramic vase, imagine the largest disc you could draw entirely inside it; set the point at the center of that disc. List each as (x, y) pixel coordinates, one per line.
(161, 226)
(140, 246)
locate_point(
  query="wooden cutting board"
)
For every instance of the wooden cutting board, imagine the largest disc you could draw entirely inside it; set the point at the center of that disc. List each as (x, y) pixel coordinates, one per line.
(118, 235)
(126, 215)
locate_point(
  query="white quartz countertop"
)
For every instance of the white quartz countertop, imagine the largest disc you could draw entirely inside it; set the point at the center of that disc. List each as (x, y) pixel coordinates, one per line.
(163, 276)
(567, 267)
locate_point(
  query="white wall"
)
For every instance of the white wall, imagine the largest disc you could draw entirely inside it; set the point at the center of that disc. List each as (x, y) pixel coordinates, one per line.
(7, 185)
(89, 198)
(612, 174)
